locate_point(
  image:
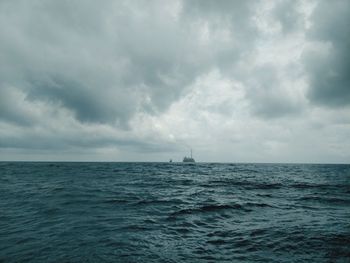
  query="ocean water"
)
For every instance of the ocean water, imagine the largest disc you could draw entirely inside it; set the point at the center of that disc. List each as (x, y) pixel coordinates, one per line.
(174, 212)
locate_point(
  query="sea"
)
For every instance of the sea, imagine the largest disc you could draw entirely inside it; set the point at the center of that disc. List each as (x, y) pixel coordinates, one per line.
(174, 212)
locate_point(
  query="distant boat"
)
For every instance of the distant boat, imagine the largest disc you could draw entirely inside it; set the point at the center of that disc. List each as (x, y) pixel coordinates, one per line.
(188, 159)
(171, 160)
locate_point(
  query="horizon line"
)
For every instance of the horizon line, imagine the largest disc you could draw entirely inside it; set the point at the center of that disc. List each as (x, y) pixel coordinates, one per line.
(174, 162)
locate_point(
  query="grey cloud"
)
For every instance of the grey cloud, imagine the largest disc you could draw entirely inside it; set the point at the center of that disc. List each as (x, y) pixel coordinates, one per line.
(42, 142)
(55, 138)
(87, 103)
(90, 75)
(267, 95)
(287, 14)
(264, 87)
(106, 61)
(234, 16)
(12, 109)
(237, 15)
(329, 67)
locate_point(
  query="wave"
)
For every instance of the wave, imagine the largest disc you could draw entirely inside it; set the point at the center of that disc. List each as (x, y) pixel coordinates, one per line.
(146, 212)
(325, 199)
(115, 201)
(244, 184)
(251, 204)
(209, 208)
(157, 201)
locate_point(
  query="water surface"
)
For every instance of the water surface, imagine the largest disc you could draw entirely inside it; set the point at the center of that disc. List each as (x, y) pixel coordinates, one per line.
(173, 212)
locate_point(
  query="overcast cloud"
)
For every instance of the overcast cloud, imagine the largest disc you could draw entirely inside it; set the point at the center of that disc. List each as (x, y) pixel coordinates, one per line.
(238, 81)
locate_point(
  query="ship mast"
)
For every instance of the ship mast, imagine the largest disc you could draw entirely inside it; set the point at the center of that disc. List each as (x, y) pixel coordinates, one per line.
(191, 153)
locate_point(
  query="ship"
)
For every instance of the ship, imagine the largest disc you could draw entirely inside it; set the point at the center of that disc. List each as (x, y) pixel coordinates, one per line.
(188, 159)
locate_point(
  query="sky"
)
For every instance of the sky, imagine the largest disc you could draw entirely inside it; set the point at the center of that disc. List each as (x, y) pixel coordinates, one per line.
(236, 81)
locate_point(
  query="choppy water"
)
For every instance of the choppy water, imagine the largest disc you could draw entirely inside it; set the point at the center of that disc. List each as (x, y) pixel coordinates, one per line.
(162, 212)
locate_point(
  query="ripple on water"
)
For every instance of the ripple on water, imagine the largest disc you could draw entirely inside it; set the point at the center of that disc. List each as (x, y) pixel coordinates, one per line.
(161, 212)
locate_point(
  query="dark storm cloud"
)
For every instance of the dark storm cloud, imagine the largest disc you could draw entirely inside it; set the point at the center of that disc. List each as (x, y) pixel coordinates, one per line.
(328, 64)
(106, 61)
(102, 63)
(87, 103)
(89, 75)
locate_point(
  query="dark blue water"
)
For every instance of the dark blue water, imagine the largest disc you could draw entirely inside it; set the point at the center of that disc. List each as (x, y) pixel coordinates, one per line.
(162, 212)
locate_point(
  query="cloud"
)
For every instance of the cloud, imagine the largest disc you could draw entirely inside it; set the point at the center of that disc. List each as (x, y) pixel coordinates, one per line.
(122, 79)
(327, 59)
(106, 61)
(13, 107)
(273, 93)
(288, 15)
